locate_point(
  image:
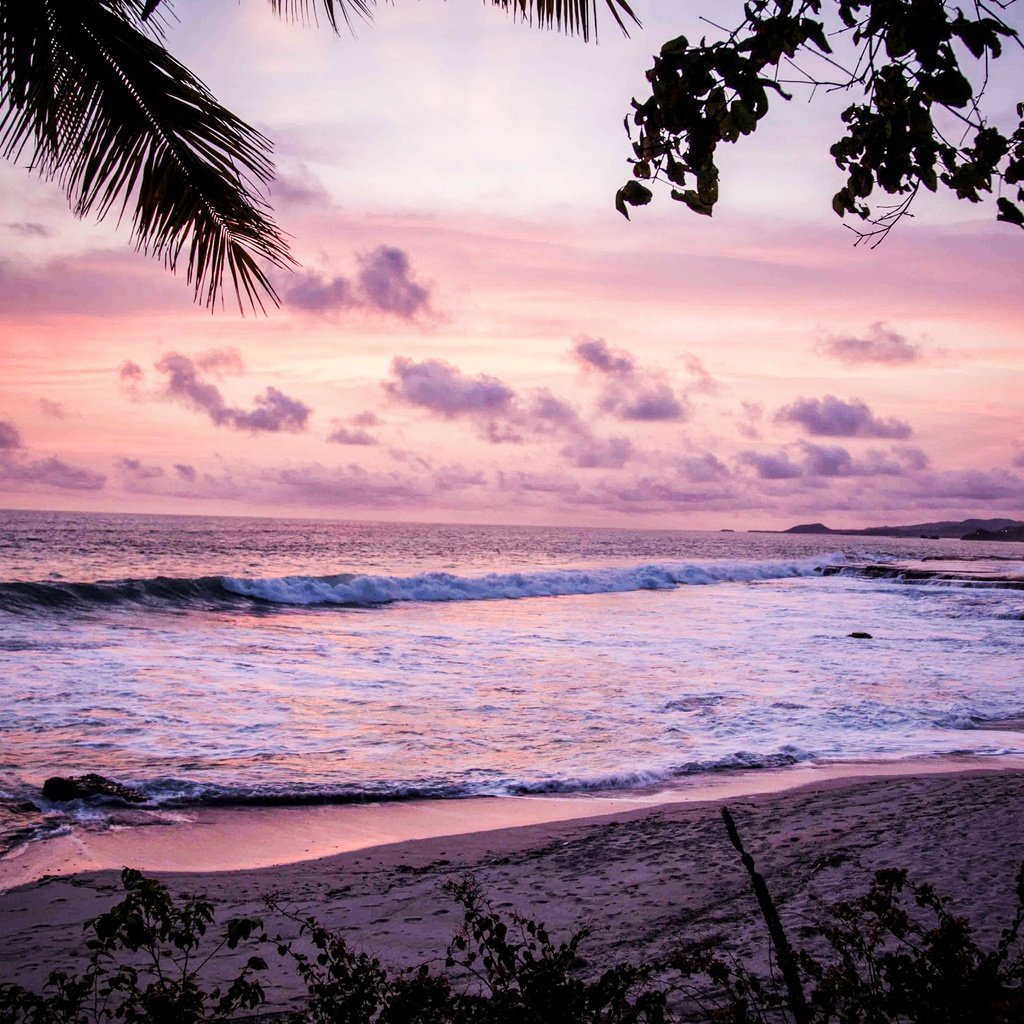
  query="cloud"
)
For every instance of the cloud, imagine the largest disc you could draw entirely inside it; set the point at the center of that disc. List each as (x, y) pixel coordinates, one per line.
(19, 467)
(315, 294)
(10, 438)
(444, 389)
(646, 404)
(304, 484)
(50, 473)
(702, 469)
(771, 465)
(130, 373)
(272, 412)
(348, 435)
(702, 380)
(833, 461)
(383, 284)
(971, 485)
(531, 482)
(500, 415)
(386, 285)
(833, 417)
(881, 344)
(589, 452)
(29, 229)
(93, 285)
(299, 187)
(595, 354)
(630, 393)
(550, 414)
(56, 410)
(221, 361)
(136, 476)
(751, 415)
(650, 493)
(353, 486)
(827, 460)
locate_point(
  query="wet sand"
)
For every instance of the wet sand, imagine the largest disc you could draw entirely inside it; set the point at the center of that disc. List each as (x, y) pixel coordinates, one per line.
(642, 877)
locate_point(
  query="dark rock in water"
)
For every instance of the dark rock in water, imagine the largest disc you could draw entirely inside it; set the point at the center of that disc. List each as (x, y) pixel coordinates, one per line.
(861, 636)
(13, 806)
(78, 787)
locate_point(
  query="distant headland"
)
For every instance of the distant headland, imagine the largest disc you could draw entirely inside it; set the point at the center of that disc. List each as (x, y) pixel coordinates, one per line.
(964, 529)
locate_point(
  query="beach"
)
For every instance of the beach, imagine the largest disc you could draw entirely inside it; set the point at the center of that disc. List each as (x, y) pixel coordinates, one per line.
(346, 717)
(643, 879)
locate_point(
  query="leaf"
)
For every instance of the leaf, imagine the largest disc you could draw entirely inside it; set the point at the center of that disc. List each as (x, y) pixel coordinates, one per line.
(1009, 212)
(743, 117)
(678, 45)
(694, 201)
(632, 194)
(106, 111)
(951, 88)
(636, 194)
(816, 33)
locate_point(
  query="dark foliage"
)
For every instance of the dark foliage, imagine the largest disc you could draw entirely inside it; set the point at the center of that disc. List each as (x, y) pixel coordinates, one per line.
(897, 955)
(894, 956)
(90, 94)
(918, 68)
(144, 965)
(496, 972)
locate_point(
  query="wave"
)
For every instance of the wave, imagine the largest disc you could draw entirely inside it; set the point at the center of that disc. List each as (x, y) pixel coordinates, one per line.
(170, 793)
(360, 591)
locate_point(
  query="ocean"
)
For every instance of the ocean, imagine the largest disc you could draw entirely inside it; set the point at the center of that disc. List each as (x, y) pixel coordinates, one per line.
(232, 661)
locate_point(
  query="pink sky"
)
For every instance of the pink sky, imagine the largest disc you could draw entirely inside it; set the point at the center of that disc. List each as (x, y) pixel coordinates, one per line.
(476, 335)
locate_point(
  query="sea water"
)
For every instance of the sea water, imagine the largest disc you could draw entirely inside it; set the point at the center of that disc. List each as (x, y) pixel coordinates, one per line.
(238, 661)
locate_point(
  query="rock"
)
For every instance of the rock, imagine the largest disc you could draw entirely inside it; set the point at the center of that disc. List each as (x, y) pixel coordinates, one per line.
(861, 636)
(14, 806)
(78, 787)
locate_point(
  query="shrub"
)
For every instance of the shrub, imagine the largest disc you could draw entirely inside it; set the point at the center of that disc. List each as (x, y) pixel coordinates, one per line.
(896, 955)
(144, 965)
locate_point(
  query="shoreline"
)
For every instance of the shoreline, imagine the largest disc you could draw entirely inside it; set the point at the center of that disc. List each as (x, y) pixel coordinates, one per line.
(643, 879)
(206, 841)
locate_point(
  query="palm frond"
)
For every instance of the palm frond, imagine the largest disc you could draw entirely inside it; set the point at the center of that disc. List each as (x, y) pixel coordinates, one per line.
(106, 111)
(336, 11)
(574, 17)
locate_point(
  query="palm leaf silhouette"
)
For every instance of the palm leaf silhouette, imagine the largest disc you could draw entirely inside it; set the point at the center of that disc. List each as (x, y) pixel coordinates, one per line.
(89, 91)
(105, 110)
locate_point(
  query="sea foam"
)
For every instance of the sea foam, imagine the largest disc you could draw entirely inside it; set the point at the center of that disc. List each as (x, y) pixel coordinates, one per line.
(441, 586)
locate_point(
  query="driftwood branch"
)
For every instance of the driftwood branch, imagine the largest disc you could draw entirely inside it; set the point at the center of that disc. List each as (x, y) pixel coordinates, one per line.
(784, 954)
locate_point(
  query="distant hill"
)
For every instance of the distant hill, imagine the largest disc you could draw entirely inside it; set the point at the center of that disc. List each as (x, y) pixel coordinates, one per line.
(965, 529)
(1014, 533)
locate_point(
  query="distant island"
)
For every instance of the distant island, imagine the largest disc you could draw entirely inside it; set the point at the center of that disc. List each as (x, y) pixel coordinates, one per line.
(965, 529)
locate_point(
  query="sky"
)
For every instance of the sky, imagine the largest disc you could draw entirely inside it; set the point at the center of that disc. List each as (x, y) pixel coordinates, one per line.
(475, 335)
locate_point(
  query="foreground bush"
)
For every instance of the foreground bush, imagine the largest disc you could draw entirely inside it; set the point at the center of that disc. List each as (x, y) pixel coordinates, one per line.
(894, 956)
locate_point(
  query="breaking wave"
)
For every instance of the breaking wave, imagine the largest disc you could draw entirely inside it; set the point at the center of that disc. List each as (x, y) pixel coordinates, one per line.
(170, 793)
(360, 591)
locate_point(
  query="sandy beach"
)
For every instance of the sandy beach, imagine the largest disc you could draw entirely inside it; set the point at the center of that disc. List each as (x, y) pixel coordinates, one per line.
(642, 878)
